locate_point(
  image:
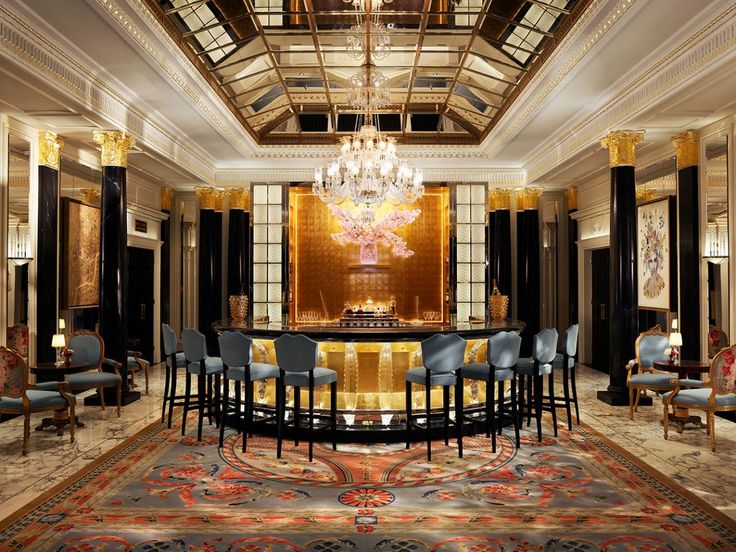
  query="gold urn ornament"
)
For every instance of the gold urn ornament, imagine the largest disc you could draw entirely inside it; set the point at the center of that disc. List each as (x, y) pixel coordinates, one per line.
(499, 303)
(238, 307)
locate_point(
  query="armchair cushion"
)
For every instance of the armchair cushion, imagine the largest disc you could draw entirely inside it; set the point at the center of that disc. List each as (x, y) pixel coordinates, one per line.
(699, 397)
(656, 379)
(322, 376)
(258, 371)
(482, 371)
(525, 367)
(133, 362)
(212, 365)
(418, 375)
(37, 398)
(692, 383)
(93, 379)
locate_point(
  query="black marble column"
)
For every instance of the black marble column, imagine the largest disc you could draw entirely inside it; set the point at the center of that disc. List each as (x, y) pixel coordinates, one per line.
(572, 256)
(217, 287)
(501, 259)
(165, 281)
(528, 276)
(239, 254)
(688, 213)
(490, 237)
(623, 280)
(209, 298)
(47, 254)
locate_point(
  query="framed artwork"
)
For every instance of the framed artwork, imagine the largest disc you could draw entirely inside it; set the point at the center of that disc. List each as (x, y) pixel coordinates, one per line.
(80, 255)
(657, 254)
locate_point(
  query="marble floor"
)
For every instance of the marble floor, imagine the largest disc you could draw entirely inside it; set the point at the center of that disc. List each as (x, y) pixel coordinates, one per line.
(685, 457)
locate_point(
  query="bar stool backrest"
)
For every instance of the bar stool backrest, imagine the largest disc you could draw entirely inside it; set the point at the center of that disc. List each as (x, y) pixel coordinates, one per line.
(296, 353)
(570, 340)
(195, 345)
(544, 346)
(503, 349)
(236, 349)
(443, 353)
(169, 339)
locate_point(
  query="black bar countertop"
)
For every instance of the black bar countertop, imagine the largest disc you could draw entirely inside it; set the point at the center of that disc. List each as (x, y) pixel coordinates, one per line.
(406, 332)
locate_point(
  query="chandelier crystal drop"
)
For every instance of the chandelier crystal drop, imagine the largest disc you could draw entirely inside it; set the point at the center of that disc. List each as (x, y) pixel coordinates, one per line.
(368, 172)
(368, 88)
(380, 41)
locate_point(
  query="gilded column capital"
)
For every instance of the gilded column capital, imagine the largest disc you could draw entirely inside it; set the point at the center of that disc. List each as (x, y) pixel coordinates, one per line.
(571, 193)
(114, 147)
(91, 196)
(207, 197)
(530, 198)
(219, 199)
(499, 199)
(621, 146)
(167, 194)
(239, 198)
(686, 149)
(49, 146)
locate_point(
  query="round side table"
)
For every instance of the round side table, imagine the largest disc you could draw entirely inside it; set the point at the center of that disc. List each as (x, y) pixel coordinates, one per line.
(51, 371)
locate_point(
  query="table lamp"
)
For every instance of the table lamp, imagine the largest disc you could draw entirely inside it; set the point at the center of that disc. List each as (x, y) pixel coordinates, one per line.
(675, 343)
(62, 324)
(58, 342)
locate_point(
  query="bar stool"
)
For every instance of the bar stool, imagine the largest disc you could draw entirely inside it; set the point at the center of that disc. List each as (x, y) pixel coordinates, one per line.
(174, 361)
(236, 352)
(544, 348)
(442, 356)
(566, 361)
(297, 359)
(195, 353)
(503, 355)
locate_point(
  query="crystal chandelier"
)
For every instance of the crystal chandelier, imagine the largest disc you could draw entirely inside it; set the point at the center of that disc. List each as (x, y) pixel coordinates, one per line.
(368, 87)
(368, 172)
(375, 5)
(380, 41)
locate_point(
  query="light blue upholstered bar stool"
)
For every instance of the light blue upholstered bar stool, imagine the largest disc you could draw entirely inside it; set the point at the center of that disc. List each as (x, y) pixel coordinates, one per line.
(565, 360)
(236, 352)
(205, 367)
(297, 359)
(503, 355)
(544, 349)
(442, 355)
(174, 361)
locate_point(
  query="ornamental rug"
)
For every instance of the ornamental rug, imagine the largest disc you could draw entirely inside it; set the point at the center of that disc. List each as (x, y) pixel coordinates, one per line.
(159, 491)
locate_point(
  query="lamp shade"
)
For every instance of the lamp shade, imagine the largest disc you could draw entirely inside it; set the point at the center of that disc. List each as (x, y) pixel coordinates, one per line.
(676, 339)
(62, 324)
(58, 341)
(674, 324)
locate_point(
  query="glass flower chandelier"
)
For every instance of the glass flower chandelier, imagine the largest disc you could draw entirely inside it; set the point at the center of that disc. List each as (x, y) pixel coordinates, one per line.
(380, 41)
(368, 87)
(376, 5)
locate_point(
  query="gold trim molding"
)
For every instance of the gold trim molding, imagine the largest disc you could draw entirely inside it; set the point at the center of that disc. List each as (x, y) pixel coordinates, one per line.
(686, 149)
(239, 198)
(621, 146)
(167, 194)
(571, 194)
(644, 193)
(114, 147)
(499, 199)
(49, 146)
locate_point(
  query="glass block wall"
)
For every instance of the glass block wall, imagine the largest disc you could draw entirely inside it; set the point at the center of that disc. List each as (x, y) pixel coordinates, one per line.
(267, 238)
(471, 251)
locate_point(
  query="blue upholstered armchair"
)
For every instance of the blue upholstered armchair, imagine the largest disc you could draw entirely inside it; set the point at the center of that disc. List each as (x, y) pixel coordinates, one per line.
(649, 348)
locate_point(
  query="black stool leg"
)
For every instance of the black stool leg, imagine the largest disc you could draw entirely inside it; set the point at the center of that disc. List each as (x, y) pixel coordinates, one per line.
(218, 413)
(166, 391)
(514, 412)
(501, 401)
(566, 392)
(491, 385)
(187, 399)
(446, 412)
(521, 401)
(280, 412)
(208, 396)
(459, 414)
(224, 409)
(489, 414)
(248, 412)
(172, 391)
(408, 412)
(311, 418)
(297, 413)
(529, 400)
(538, 381)
(574, 393)
(333, 413)
(202, 389)
(238, 403)
(428, 394)
(552, 399)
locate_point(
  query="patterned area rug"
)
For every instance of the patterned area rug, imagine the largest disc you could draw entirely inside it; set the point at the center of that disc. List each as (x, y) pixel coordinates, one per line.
(161, 492)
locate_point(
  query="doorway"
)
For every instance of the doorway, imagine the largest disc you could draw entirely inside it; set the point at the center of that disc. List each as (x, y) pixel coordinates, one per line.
(141, 301)
(600, 304)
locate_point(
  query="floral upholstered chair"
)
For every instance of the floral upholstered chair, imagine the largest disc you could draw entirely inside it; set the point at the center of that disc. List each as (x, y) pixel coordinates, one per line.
(717, 340)
(650, 346)
(19, 398)
(718, 395)
(17, 335)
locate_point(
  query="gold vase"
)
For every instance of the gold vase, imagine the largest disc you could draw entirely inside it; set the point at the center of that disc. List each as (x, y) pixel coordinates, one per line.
(238, 307)
(499, 304)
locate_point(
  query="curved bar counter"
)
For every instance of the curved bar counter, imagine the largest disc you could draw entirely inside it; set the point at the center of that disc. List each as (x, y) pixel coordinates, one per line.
(370, 363)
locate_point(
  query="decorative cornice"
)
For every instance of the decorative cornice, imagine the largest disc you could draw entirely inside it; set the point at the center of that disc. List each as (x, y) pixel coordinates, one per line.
(621, 146)
(49, 145)
(405, 151)
(114, 147)
(686, 149)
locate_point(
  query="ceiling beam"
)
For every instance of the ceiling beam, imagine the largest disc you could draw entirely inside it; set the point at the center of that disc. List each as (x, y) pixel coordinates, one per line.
(415, 62)
(313, 28)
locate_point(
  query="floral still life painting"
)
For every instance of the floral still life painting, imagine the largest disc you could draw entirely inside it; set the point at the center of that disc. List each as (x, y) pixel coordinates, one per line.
(654, 255)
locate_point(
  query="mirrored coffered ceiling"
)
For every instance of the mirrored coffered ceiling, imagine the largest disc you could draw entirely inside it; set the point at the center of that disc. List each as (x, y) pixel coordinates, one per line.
(286, 67)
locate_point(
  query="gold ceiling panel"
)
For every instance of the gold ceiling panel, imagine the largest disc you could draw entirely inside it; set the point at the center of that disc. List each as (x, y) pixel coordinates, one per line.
(283, 67)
